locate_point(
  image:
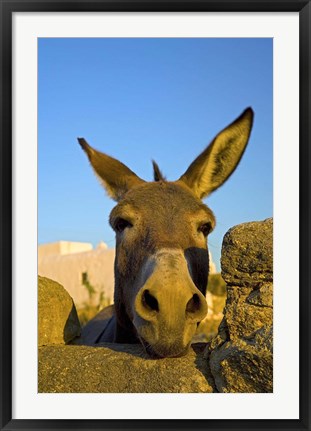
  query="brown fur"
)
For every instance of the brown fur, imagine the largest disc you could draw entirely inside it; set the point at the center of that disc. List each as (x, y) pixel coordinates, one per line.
(161, 265)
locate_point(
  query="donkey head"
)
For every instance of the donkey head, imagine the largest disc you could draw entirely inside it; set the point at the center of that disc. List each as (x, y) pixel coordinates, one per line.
(161, 265)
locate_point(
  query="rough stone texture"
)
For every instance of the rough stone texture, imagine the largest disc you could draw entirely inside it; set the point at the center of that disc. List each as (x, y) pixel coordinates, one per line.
(118, 368)
(241, 356)
(58, 322)
(244, 366)
(247, 254)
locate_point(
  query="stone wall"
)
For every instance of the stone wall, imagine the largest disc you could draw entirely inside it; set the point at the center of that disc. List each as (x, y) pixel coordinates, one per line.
(58, 322)
(238, 359)
(120, 368)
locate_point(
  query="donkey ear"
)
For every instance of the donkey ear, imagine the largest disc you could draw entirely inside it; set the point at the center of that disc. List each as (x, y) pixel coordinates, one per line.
(116, 178)
(217, 162)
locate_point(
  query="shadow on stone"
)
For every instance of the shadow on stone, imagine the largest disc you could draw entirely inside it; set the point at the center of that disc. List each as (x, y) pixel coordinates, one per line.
(71, 325)
(202, 364)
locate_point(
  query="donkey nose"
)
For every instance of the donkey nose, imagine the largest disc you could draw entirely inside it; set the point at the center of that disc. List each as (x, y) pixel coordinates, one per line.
(196, 308)
(153, 303)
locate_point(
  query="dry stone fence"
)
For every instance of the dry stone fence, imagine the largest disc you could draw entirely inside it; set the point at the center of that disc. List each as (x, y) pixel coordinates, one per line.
(238, 359)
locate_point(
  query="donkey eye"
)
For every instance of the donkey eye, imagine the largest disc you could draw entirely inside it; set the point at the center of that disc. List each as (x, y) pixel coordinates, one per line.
(121, 224)
(205, 228)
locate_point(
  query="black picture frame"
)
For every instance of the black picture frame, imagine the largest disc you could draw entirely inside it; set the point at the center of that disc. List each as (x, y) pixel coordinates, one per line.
(8, 7)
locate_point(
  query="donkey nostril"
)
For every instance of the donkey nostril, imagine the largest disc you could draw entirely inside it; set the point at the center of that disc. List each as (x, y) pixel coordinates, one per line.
(194, 304)
(150, 301)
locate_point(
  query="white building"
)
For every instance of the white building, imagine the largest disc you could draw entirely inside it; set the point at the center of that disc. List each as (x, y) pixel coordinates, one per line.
(79, 268)
(62, 248)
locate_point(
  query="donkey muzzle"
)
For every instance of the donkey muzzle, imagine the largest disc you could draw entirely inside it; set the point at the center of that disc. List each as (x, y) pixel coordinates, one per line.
(168, 307)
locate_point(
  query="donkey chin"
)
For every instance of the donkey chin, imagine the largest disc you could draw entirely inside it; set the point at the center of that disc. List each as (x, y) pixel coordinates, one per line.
(164, 343)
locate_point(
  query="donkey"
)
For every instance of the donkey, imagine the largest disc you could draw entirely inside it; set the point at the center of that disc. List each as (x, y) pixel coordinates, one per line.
(162, 264)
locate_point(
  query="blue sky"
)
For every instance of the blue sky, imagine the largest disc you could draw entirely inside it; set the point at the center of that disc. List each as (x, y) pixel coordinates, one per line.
(144, 99)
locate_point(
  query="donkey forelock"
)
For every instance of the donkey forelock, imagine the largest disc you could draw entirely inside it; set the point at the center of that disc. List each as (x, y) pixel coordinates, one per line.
(161, 265)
